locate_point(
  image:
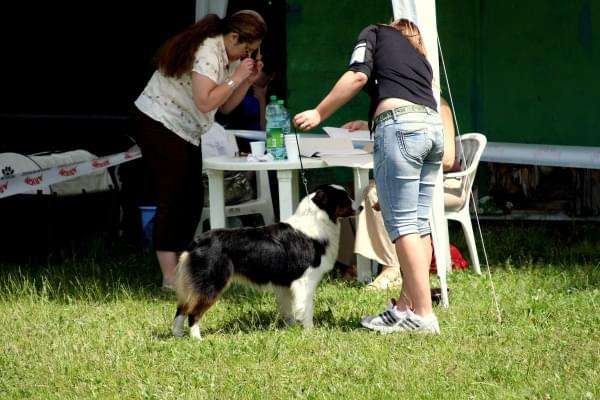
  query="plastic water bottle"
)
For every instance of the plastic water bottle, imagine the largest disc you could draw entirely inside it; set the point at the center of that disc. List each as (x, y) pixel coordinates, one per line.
(275, 117)
(287, 124)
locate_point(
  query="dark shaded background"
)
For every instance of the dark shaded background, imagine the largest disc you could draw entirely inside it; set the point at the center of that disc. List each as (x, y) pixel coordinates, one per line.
(70, 74)
(71, 70)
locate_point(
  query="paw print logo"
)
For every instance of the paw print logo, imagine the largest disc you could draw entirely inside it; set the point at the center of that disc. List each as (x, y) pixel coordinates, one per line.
(8, 171)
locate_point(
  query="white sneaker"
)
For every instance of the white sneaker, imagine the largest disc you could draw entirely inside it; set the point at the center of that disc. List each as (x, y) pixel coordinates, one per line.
(392, 320)
(391, 313)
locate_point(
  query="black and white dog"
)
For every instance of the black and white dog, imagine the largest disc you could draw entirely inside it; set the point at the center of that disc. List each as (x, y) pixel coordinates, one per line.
(291, 257)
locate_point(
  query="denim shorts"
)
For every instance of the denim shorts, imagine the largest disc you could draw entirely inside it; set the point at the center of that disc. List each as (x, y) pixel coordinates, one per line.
(407, 157)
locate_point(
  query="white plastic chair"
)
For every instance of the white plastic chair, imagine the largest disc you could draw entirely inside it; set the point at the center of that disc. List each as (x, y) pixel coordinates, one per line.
(457, 198)
(262, 204)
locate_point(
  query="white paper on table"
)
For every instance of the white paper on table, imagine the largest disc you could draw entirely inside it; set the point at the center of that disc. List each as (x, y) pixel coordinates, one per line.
(319, 147)
(343, 133)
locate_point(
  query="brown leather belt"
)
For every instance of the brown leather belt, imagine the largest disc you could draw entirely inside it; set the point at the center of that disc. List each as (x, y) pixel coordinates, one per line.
(392, 114)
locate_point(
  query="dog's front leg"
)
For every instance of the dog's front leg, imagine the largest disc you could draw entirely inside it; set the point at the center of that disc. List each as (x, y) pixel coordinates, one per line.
(303, 292)
(284, 302)
(307, 318)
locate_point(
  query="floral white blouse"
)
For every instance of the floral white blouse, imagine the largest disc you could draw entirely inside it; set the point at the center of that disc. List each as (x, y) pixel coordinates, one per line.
(169, 100)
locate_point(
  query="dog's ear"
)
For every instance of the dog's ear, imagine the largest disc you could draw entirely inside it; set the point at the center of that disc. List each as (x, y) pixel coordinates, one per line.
(320, 198)
(324, 198)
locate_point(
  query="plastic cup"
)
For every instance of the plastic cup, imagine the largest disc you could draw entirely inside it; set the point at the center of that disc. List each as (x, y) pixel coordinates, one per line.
(257, 148)
(291, 147)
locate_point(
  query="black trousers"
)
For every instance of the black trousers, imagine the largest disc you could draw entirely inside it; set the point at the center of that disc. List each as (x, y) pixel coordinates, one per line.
(176, 167)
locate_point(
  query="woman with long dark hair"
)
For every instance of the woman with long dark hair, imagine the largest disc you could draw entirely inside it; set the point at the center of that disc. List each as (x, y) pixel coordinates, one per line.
(207, 66)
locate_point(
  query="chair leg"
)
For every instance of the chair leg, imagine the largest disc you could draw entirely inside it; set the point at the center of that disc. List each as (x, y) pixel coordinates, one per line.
(441, 272)
(364, 269)
(204, 216)
(467, 227)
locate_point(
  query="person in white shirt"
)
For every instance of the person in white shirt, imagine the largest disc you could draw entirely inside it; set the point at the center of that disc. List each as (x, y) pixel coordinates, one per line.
(205, 67)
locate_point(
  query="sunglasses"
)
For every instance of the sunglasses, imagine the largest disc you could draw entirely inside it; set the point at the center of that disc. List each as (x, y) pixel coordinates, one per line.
(254, 54)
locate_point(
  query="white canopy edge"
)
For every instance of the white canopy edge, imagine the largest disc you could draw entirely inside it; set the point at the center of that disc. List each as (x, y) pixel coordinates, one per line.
(204, 7)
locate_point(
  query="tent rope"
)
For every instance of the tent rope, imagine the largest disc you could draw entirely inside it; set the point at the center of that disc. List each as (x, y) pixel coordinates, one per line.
(472, 197)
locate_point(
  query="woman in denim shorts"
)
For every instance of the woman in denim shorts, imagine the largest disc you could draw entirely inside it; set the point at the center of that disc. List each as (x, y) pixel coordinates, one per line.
(389, 62)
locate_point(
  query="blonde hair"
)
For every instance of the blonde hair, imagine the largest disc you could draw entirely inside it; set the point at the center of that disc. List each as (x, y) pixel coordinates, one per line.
(411, 32)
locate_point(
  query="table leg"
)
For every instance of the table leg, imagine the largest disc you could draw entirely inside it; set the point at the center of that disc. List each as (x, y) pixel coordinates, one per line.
(361, 181)
(216, 198)
(364, 266)
(295, 193)
(288, 193)
(364, 269)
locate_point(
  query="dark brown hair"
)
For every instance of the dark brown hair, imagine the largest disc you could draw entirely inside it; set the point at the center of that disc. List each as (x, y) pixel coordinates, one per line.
(176, 56)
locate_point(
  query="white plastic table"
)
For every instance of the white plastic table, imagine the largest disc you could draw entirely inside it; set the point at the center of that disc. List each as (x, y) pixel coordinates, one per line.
(287, 177)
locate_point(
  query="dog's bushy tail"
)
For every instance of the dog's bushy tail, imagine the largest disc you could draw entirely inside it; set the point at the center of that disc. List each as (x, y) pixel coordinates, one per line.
(182, 280)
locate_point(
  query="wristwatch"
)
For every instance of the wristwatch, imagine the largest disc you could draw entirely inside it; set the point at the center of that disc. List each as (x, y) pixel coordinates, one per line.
(231, 83)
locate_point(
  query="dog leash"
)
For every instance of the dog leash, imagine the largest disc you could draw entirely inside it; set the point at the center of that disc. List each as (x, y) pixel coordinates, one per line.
(302, 172)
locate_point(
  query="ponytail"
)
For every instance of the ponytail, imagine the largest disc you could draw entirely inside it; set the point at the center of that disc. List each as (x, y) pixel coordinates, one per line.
(176, 56)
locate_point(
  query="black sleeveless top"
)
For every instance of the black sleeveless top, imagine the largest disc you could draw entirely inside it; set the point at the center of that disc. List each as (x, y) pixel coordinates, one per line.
(394, 67)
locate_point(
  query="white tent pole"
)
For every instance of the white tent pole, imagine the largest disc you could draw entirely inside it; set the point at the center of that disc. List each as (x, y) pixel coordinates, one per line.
(204, 7)
(423, 14)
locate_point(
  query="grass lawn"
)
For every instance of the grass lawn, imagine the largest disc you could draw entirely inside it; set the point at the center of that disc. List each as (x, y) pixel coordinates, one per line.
(95, 325)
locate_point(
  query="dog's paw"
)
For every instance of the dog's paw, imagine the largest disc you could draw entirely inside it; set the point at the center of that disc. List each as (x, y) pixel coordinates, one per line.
(195, 332)
(178, 332)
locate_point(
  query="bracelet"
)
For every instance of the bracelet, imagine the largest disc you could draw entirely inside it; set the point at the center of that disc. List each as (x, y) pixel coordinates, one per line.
(231, 83)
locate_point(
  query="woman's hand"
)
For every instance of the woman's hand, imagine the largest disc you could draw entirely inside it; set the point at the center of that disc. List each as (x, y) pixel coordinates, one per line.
(244, 71)
(358, 125)
(307, 119)
(256, 71)
(345, 88)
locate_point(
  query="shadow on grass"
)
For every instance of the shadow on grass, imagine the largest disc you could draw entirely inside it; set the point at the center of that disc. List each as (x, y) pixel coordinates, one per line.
(97, 270)
(260, 322)
(163, 334)
(256, 311)
(268, 321)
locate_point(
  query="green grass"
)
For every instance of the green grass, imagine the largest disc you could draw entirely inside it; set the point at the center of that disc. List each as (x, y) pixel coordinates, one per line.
(95, 325)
